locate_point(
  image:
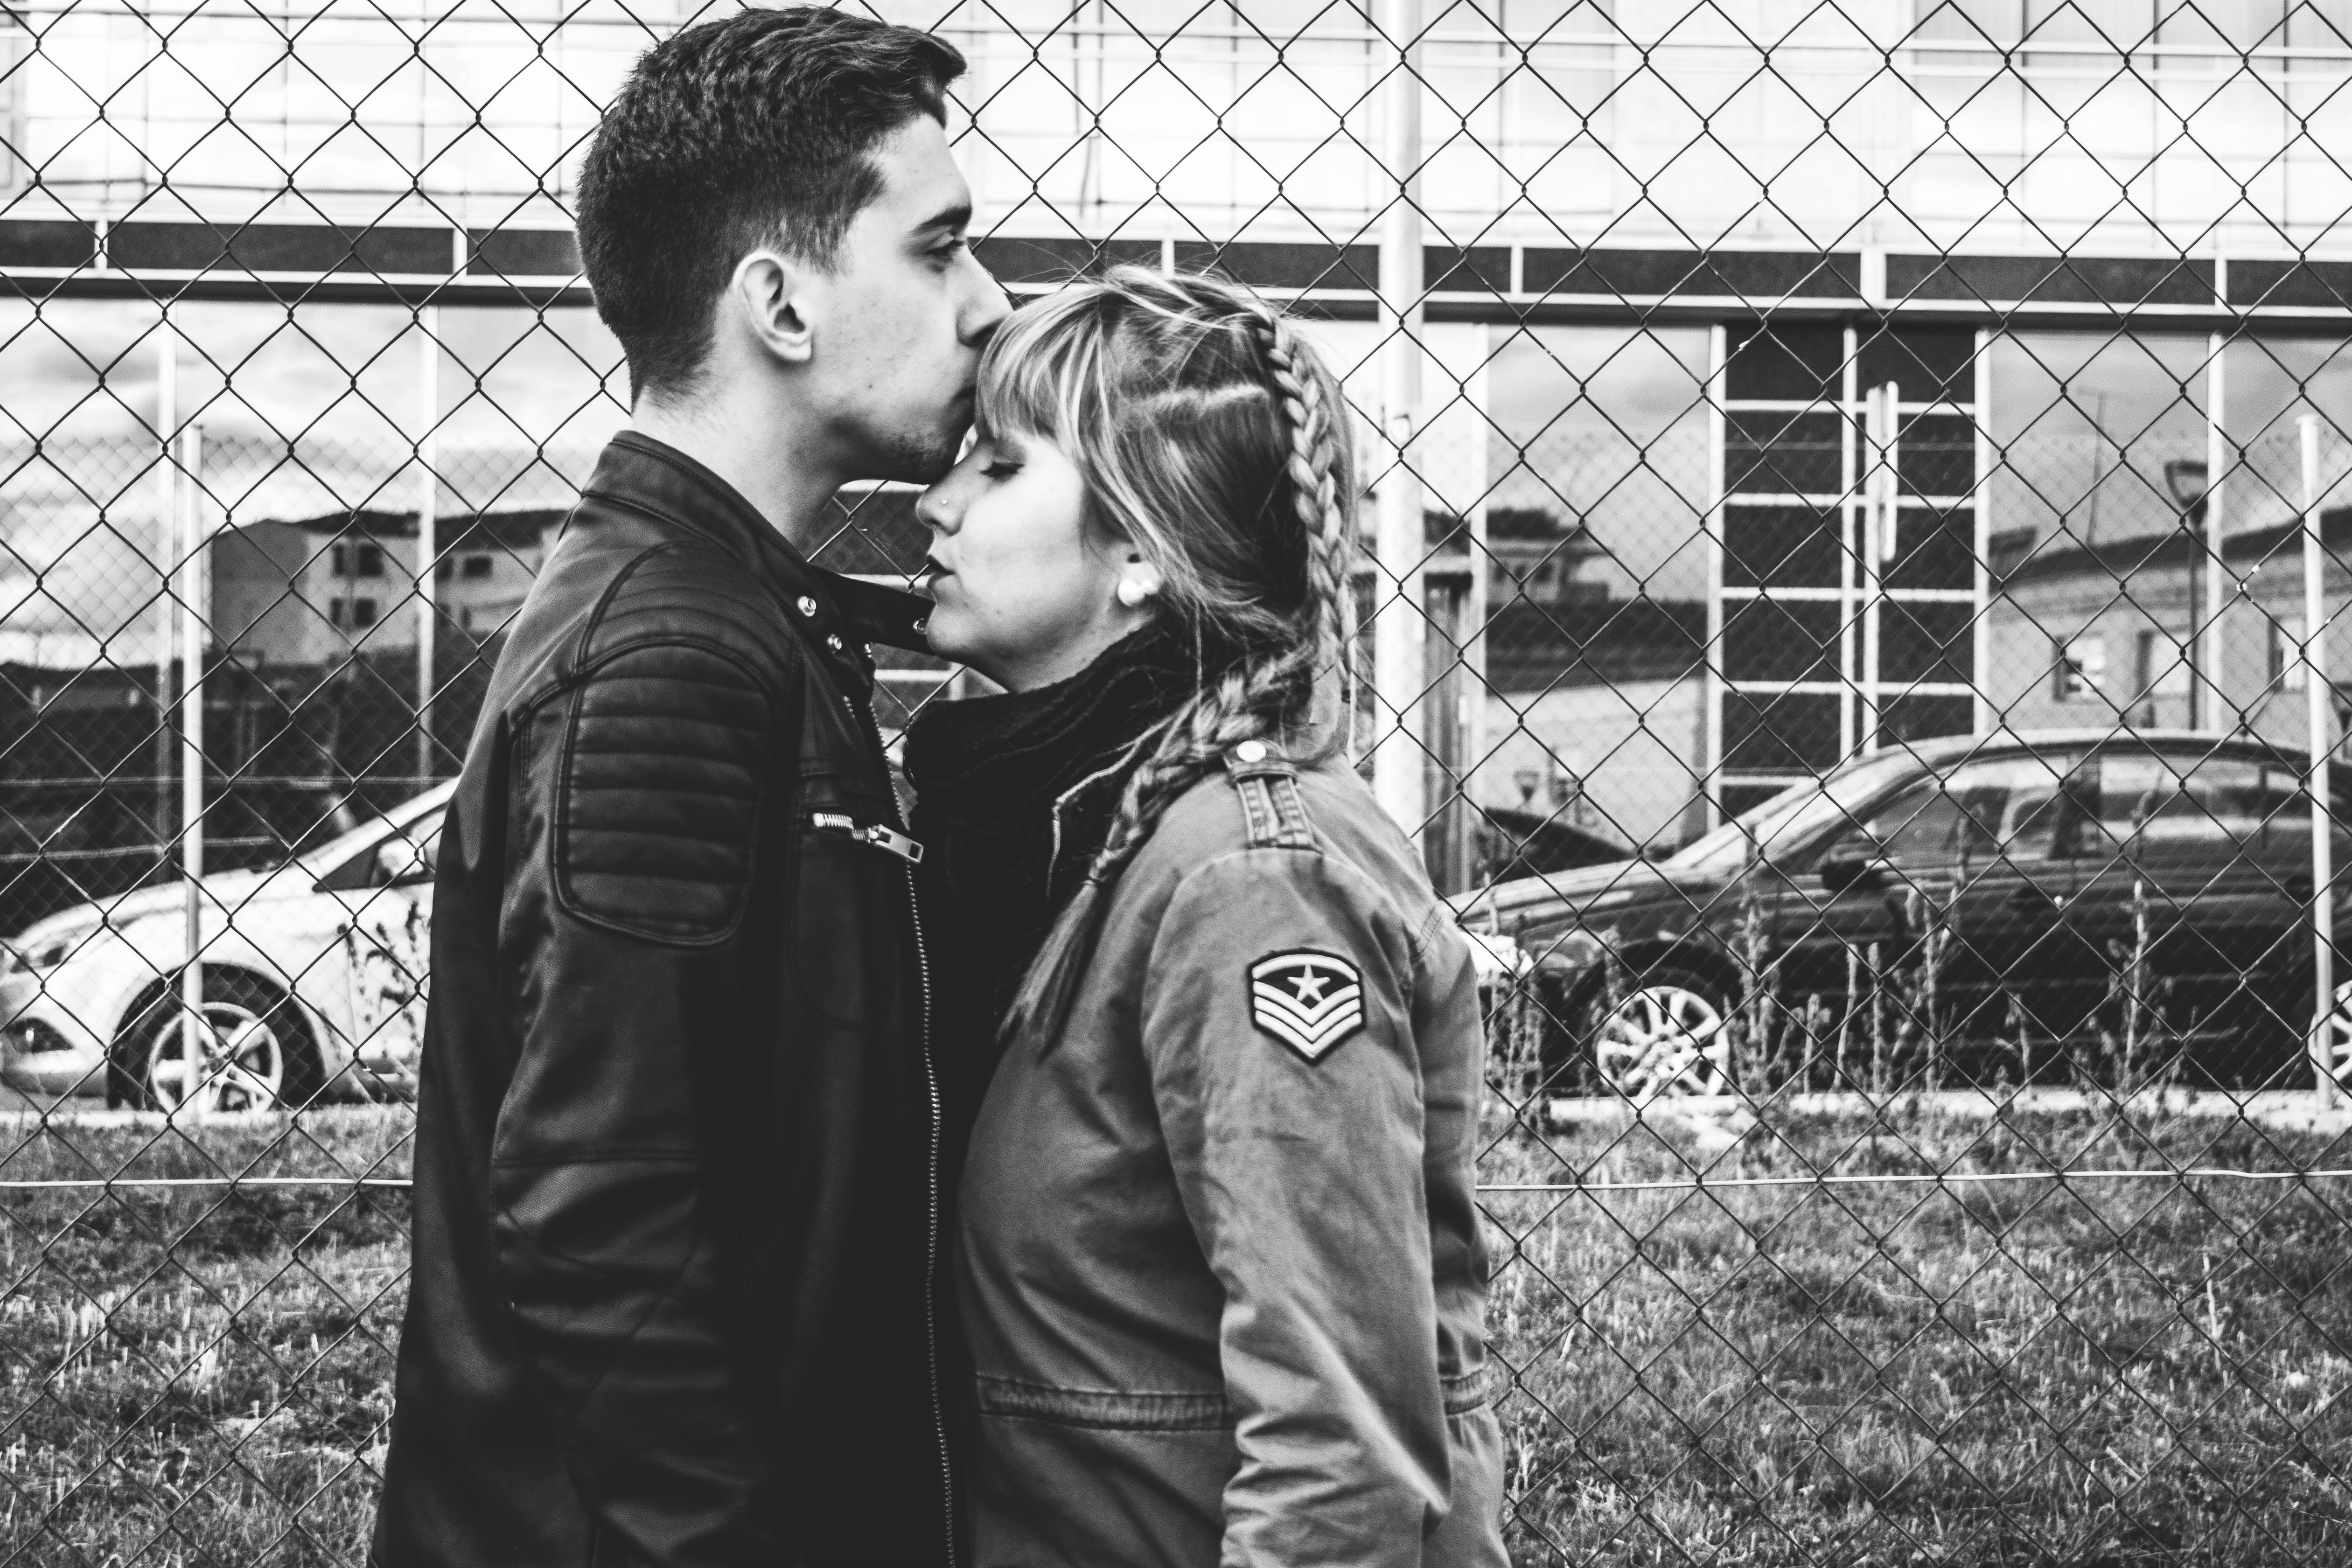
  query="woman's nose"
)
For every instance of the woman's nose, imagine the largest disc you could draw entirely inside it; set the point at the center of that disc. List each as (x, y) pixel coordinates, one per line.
(931, 508)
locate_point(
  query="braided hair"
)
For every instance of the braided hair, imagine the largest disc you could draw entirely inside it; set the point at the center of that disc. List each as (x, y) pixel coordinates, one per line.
(1214, 442)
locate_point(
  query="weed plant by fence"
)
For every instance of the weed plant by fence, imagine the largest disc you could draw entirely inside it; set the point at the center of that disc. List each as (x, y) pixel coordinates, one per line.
(1855, 530)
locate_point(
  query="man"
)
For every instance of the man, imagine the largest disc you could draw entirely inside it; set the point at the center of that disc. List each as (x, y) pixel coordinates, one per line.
(677, 1183)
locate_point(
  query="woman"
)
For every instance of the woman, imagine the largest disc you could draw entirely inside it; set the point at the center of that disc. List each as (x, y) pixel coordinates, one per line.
(1218, 1255)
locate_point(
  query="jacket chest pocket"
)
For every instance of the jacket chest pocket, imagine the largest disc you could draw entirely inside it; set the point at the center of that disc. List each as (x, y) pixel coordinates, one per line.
(850, 897)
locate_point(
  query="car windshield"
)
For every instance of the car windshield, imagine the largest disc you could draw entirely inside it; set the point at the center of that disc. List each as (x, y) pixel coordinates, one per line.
(1791, 815)
(371, 833)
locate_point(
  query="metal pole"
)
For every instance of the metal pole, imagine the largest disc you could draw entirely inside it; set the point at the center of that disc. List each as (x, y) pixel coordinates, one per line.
(1399, 761)
(2315, 693)
(1980, 580)
(194, 610)
(428, 534)
(2209, 684)
(1880, 543)
(167, 552)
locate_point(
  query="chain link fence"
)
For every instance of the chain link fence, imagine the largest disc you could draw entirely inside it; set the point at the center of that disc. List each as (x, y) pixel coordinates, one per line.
(1856, 520)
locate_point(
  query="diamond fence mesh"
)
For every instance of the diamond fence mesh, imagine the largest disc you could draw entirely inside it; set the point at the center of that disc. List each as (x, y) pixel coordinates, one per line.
(1855, 526)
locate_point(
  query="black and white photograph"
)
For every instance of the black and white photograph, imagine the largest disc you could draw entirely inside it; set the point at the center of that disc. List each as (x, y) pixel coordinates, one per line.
(1226, 784)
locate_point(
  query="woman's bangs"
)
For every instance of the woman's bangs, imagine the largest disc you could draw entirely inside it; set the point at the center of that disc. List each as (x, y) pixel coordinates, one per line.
(1031, 378)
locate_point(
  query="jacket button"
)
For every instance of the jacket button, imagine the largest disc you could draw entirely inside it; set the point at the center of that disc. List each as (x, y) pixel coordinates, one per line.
(833, 641)
(808, 605)
(1251, 751)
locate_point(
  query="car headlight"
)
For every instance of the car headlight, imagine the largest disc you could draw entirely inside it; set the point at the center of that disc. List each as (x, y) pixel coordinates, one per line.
(54, 947)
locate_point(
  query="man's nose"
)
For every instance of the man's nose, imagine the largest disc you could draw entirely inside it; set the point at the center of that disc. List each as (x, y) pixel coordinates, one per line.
(989, 309)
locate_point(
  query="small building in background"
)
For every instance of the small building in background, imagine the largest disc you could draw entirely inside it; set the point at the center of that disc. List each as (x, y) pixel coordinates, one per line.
(2102, 634)
(314, 590)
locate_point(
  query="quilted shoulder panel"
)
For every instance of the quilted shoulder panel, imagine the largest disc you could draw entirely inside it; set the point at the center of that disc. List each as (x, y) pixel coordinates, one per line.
(694, 593)
(671, 735)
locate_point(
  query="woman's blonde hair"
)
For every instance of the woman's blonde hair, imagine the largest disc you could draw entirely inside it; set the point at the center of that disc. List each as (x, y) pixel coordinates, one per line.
(1214, 442)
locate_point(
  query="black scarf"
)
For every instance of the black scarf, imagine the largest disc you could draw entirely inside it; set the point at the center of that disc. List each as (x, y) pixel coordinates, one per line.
(986, 772)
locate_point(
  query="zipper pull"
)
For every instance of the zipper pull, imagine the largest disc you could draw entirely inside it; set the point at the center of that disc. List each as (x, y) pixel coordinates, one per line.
(891, 839)
(881, 838)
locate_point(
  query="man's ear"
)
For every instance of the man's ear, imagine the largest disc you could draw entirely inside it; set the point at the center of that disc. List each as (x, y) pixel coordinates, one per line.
(774, 298)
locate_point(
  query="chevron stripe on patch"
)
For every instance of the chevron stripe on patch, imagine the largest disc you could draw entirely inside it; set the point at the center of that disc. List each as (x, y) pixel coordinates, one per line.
(1310, 1001)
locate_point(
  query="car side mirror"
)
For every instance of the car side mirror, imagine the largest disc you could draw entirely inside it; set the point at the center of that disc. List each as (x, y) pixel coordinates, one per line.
(1849, 873)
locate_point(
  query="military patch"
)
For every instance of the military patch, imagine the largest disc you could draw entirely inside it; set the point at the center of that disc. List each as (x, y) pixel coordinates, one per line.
(1310, 1001)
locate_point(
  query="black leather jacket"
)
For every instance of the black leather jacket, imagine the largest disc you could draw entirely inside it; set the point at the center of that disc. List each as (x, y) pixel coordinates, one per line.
(676, 1199)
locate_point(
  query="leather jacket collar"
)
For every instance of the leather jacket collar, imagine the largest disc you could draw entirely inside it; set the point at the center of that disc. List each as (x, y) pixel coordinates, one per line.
(839, 615)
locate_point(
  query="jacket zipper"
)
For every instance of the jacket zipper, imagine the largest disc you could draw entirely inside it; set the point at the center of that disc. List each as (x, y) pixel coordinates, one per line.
(874, 833)
(939, 1118)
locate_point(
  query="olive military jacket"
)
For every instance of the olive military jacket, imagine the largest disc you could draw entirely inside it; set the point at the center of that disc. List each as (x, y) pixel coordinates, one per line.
(1218, 1252)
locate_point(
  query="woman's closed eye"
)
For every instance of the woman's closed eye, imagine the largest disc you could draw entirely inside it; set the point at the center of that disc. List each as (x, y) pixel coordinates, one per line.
(1000, 468)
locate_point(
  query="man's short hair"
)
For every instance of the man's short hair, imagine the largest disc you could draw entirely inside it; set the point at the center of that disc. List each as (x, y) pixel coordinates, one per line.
(750, 130)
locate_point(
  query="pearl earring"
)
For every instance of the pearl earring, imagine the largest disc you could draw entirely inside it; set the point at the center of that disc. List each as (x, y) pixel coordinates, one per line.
(1134, 590)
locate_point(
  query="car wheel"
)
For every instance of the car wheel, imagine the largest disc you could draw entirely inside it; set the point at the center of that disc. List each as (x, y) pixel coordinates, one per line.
(1662, 1032)
(2333, 1046)
(252, 1052)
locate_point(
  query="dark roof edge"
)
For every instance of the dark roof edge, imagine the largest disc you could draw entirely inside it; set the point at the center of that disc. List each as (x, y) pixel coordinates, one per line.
(2139, 552)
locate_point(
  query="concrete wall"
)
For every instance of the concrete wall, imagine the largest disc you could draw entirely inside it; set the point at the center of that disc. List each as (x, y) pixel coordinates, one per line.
(1635, 749)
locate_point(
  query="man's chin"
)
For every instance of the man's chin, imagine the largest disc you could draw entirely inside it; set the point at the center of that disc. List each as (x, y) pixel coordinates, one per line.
(916, 458)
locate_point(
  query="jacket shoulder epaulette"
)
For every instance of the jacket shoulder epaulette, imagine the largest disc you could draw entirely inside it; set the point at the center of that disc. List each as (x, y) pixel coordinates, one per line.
(1268, 782)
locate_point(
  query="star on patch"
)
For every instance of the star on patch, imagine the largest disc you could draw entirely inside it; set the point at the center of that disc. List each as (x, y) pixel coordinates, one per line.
(1310, 1001)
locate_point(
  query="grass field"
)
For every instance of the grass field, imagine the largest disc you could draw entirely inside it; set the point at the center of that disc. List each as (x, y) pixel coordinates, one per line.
(2109, 1373)
(2095, 1372)
(190, 1375)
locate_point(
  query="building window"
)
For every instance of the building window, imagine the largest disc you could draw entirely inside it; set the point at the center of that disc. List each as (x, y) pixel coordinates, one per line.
(371, 562)
(2285, 654)
(443, 568)
(340, 561)
(477, 565)
(2159, 667)
(362, 611)
(339, 610)
(2080, 670)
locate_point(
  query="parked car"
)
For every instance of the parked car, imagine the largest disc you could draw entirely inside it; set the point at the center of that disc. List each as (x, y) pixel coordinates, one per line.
(313, 981)
(2028, 906)
(65, 841)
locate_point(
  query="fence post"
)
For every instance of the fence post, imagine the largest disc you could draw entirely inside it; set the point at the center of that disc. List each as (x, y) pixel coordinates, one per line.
(1881, 515)
(167, 552)
(2209, 687)
(2315, 693)
(194, 610)
(1399, 761)
(428, 540)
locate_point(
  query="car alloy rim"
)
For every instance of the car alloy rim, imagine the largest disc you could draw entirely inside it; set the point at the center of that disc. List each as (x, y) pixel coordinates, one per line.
(2335, 1045)
(239, 1063)
(1663, 1040)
